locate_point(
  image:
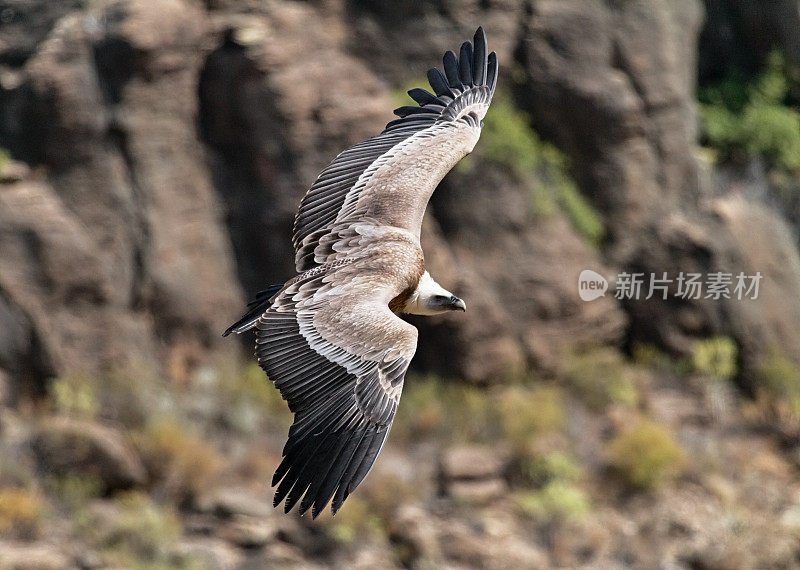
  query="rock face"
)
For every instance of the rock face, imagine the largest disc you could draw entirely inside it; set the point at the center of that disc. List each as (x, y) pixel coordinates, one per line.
(271, 129)
(170, 146)
(129, 232)
(113, 252)
(612, 84)
(160, 150)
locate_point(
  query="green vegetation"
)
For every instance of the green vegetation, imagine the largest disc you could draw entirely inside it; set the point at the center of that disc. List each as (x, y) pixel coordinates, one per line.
(75, 396)
(744, 117)
(371, 511)
(246, 399)
(458, 412)
(556, 465)
(136, 533)
(509, 142)
(524, 414)
(451, 411)
(555, 501)
(557, 495)
(184, 463)
(646, 455)
(649, 356)
(715, 357)
(74, 490)
(356, 519)
(601, 377)
(5, 158)
(779, 381)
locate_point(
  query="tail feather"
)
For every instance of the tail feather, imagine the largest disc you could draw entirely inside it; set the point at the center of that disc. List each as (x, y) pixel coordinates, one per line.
(255, 309)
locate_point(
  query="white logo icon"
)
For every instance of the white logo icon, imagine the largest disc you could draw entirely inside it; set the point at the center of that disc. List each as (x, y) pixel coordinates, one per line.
(591, 285)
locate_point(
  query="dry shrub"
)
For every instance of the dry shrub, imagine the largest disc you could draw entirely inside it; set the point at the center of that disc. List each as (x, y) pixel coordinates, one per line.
(135, 532)
(602, 377)
(182, 461)
(556, 501)
(524, 414)
(21, 512)
(646, 455)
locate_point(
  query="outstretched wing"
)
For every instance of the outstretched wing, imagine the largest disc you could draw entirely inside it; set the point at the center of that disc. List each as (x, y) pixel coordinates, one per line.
(390, 178)
(338, 357)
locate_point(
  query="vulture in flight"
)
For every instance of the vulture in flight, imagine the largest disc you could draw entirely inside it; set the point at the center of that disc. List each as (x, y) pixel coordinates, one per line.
(330, 338)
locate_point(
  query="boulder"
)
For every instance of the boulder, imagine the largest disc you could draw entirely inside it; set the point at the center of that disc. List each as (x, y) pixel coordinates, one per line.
(248, 532)
(212, 553)
(472, 462)
(64, 445)
(25, 556)
(231, 501)
(757, 240)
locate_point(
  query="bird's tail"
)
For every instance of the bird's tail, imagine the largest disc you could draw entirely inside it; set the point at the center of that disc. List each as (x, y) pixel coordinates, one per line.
(255, 309)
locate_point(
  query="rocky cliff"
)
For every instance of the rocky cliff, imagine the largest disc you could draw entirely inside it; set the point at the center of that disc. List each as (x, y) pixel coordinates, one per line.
(157, 151)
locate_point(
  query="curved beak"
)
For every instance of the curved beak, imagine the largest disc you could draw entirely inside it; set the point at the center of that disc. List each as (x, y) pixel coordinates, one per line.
(457, 304)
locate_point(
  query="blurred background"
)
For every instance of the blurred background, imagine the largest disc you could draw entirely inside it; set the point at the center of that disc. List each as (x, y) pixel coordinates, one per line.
(153, 156)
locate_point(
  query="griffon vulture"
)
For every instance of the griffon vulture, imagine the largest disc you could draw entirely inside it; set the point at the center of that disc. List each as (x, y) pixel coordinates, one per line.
(330, 338)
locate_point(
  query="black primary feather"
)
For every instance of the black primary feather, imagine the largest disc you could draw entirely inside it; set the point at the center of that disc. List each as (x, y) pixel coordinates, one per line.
(451, 70)
(465, 63)
(411, 110)
(491, 80)
(423, 97)
(479, 58)
(470, 69)
(439, 83)
(255, 308)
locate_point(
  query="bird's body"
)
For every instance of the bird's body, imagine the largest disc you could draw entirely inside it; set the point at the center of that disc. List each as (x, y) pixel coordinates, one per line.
(330, 338)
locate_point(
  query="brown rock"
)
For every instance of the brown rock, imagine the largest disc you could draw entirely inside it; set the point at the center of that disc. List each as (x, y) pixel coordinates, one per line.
(280, 555)
(624, 70)
(65, 445)
(19, 556)
(248, 532)
(213, 553)
(125, 234)
(229, 502)
(271, 129)
(387, 28)
(483, 491)
(472, 462)
(758, 240)
(472, 546)
(413, 527)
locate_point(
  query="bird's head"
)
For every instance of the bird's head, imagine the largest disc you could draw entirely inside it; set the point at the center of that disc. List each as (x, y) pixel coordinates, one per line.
(443, 303)
(430, 298)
